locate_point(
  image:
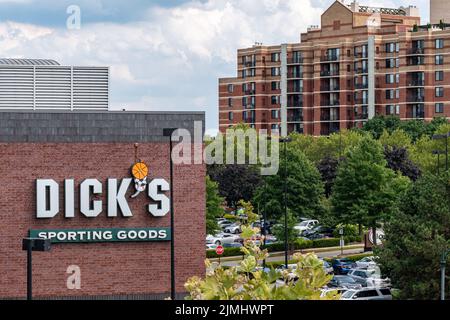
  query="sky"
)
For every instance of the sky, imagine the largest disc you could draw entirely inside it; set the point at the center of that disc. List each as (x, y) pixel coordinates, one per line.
(163, 54)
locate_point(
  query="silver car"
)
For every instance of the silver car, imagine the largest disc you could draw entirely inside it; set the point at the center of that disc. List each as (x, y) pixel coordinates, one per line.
(369, 277)
(368, 294)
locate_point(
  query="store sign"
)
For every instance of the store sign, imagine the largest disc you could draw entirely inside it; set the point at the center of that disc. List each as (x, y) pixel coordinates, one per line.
(48, 193)
(103, 235)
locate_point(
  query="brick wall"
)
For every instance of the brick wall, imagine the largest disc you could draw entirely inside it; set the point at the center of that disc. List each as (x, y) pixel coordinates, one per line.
(109, 268)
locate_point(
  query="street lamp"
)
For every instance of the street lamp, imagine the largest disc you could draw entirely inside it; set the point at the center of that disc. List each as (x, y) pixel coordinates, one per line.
(168, 132)
(440, 137)
(438, 153)
(285, 141)
(29, 245)
(443, 263)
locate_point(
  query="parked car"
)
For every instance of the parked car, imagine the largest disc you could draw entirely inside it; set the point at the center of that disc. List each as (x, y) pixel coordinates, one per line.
(306, 225)
(222, 238)
(325, 291)
(327, 267)
(318, 232)
(233, 228)
(342, 266)
(368, 294)
(211, 246)
(344, 282)
(366, 262)
(369, 278)
(232, 245)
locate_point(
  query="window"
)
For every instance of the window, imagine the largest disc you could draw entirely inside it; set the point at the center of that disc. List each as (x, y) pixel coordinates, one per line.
(439, 92)
(390, 94)
(275, 127)
(275, 114)
(275, 85)
(244, 115)
(244, 101)
(439, 108)
(439, 75)
(275, 99)
(439, 43)
(390, 79)
(230, 116)
(275, 57)
(230, 102)
(390, 109)
(439, 60)
(230, 88)
(275, 71)
(397, 109)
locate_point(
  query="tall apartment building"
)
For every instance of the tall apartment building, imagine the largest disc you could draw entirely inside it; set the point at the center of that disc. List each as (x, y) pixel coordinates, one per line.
(361, 62)
(439, 11)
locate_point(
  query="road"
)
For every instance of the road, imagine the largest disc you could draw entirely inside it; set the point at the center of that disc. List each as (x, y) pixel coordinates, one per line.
(279, 256)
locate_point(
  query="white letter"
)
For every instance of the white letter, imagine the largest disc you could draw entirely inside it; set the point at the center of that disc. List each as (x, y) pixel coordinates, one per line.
(74, 20)
(85, 198)
(46, 210)
(164, 202)
(70, 195)
(74, 280)
(118, 197)
(181, 152)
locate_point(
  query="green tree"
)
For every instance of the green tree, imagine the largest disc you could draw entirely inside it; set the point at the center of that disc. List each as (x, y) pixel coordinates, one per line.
(304, 187)
(236, 182)
(415, 238)
(214, 207)
(365, 190)
(279, 232)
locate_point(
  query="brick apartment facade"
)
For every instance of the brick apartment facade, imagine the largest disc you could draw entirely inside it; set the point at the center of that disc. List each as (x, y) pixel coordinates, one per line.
(100, 145)
(361, 62)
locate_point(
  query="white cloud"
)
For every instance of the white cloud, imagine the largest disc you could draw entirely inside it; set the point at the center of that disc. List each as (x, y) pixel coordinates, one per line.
(173, 59)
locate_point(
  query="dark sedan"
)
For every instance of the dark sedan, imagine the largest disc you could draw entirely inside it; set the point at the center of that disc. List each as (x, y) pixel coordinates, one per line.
(343, 266)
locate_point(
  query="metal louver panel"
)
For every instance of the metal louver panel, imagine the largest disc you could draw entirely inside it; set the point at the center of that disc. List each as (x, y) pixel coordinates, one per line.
(16, 87)
(47, 87)
(90, 88)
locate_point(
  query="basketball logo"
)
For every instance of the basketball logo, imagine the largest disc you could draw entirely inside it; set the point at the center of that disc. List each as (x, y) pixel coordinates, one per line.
(139, 171)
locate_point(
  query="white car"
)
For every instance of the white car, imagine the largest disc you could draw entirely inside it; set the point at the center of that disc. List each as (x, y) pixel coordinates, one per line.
(368, 294)
(369, 277)
(306, 225)
(221, 239)
(366, 263)
(211, 246)
(233, 228)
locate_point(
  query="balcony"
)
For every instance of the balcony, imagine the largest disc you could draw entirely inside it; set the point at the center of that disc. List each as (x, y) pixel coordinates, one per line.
(329, 58)
(250, 64)
(329, 73)
(359, 86)
(416, 83)
(249, 92)
(297, 60)
(295, 118)
(361, 116)
(420, 61)
(330, 103)
(294, 89)
(416, 98)
(361, 55)
(361, 70)
(416, 51)
(250, 120)
(361, 101)
(295, 75)
(329, 88)
(295, 104)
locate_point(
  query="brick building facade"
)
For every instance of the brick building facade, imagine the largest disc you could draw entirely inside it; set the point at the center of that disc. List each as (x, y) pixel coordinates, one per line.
(361, 62)
(100, 145)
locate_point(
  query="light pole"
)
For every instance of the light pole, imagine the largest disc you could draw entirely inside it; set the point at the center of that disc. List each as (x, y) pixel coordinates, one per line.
(438, 153)
(285, 141)
(168, 133)
(443, 263)
(29, 245)
(440, 137)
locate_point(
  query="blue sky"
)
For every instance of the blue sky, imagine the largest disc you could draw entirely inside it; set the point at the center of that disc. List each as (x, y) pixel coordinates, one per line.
(164, 54)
